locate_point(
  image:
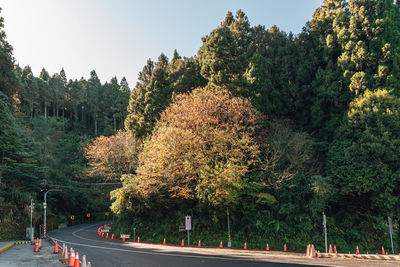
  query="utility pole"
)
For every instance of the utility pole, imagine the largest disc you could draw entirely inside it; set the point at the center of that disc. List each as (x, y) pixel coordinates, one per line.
(31, 206)
(45, 208)
(391, 233)
(326, 238)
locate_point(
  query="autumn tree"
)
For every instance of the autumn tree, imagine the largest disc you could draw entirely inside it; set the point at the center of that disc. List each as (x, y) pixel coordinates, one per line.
(111, 157)
(202, 149)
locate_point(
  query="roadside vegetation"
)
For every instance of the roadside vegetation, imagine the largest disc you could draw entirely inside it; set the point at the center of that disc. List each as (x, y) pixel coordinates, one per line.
(273, 127)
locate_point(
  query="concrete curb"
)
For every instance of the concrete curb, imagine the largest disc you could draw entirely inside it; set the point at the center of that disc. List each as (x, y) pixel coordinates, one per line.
(6, 247)
(359, 256)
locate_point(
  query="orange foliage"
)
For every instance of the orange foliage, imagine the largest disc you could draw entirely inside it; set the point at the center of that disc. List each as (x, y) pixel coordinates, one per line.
(202, 148)
(110, 157)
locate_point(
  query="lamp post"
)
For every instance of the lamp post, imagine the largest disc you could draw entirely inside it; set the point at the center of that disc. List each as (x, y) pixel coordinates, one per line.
(32, 206)
(45, 208)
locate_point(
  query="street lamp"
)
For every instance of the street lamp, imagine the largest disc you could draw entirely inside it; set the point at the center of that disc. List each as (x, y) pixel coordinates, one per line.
(45, 208)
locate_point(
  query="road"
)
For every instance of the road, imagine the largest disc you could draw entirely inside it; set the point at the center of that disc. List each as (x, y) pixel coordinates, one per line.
(110, 253)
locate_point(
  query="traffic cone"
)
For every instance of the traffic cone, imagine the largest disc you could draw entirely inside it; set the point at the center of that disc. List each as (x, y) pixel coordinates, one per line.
(84, 261)
(123, 238)
(182, 243)
(102, 234)
(71, 259)
(138, 239)
(112, 237)
(199, 244)
(312, 252)
(55, 251)
(383, 250)
(330, 249)
(334, 249)
(245, 245)
(77, 262)
(36, 248)
(40, 243)
(32, 241)
(107, 235)
(308, 251)
(164, 243)
(284, 247)
(357, 250)
(89, 264)
(267, 247)
(220, 244)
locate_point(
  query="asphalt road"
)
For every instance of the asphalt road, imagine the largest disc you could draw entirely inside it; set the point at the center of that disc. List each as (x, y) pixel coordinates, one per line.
(108, 253)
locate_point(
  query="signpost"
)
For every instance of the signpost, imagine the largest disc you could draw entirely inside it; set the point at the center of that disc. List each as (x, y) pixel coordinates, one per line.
(188, 226)
(32, 206)
(125, 236)
(134, 233)
(229, 230)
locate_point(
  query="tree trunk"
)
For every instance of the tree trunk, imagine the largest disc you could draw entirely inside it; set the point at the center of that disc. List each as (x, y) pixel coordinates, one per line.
(95, 126)
(115, 124)
(45, 110)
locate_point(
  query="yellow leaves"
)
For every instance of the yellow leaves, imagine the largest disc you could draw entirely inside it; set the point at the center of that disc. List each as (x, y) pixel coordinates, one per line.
(202, 148)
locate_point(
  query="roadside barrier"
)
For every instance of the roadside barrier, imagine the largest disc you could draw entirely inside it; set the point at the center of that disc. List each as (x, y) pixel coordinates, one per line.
(359, 256)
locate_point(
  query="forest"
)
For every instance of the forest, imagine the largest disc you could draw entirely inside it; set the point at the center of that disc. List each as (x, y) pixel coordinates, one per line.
(271, 127)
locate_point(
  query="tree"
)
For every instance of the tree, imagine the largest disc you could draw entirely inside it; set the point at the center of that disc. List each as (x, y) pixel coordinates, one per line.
(363, 160)
(202, 149)
(110, 157)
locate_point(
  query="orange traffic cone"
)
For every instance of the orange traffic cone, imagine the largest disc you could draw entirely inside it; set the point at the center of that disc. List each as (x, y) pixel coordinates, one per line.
(55, 251)
(383, 250)
(334, 249)
(123, 238)
(220, 244)
(40, 243)
(32, 241)
(71, 258)
(182, 243)
(357, 250)
(112, 237)
(245, 245)
(199, 244)
(308, 250)
(138, 239)
(164, 243)
(102, 234)
(267, 248)
(330, 249)
(77, 262)
(107, 235)
(284, 247)
(36, 248)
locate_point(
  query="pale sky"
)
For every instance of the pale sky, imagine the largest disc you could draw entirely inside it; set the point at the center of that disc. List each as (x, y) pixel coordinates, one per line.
(116, 37)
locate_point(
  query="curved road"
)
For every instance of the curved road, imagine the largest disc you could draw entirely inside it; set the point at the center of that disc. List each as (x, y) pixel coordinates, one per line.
(110, 253)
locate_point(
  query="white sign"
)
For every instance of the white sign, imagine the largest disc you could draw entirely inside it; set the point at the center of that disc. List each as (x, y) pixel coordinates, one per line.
(125, 236)
(188, 223)
(44, 204)
(105, 230)
(107, 227)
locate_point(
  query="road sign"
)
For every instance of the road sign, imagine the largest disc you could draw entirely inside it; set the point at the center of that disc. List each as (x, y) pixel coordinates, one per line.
(44, 205)
(126, 236)
(182, 228)
(188, 223)
(105, 230)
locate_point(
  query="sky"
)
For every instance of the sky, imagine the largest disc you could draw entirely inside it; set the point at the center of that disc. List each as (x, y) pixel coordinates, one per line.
(116, 37)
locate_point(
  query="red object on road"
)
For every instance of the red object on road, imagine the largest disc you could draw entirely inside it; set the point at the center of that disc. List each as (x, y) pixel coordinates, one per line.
(383, 250)
(199, 244)
(220, 244)
(334, 249)
(284, 247)
(245, 245)
(56, 251)
(182, 243)
(267, 248)
(36, 248)
(164, 243)
(357, 250)
(77, 262)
